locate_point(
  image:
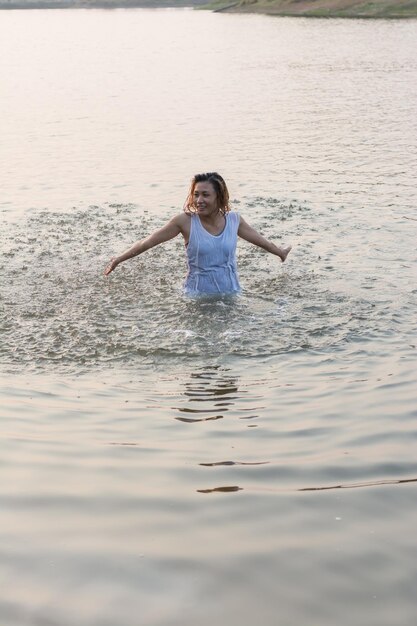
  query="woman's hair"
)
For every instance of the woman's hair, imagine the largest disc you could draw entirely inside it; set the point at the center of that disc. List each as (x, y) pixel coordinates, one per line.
(219, 186)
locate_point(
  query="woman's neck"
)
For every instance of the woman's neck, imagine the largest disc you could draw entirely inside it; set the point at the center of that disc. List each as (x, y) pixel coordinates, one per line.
(213, 219)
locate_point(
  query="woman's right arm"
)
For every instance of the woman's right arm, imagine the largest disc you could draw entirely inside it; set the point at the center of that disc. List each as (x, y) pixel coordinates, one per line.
(167, 232)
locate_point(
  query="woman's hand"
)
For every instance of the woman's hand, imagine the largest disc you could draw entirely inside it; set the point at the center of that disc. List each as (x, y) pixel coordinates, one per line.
(111, 266)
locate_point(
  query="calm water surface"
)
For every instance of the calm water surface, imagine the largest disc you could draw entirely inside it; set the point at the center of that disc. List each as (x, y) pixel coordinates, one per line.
(170, 462)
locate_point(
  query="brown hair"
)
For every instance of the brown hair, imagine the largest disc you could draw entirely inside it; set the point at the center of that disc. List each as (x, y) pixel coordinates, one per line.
(219, 186)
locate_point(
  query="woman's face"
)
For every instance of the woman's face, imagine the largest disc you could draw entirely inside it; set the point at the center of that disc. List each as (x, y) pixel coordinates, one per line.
(205, 199)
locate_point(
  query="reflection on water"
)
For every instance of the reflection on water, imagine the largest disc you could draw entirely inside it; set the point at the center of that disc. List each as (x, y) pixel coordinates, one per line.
(213, 393)
(208, 391)
(220, 489)
(234, 463)
(231, 489)
(375, 483)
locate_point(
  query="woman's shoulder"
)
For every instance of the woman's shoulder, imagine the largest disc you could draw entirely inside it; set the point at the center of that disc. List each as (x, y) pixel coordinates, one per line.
(182, 222)
(182, 218)
(234, 217)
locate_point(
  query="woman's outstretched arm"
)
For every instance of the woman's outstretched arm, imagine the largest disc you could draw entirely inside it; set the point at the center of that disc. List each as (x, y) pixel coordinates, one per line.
(250, 234)
(167, 232)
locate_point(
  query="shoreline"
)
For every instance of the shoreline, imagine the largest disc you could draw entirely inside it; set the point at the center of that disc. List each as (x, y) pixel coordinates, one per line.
(354, 9)
(387, 9)
(100, 4)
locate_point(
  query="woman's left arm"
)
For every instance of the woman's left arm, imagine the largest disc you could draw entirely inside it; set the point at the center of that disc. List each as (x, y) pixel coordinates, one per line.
(250, 234)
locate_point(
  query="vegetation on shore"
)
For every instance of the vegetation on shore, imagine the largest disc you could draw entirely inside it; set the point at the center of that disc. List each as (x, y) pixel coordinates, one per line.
(320, 8)
(304, 8)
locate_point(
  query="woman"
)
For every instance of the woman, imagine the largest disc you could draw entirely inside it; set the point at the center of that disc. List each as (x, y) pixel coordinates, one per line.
(210, 232)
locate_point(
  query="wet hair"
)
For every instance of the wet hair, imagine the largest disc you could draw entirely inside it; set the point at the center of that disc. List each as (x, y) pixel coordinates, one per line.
(219, 186)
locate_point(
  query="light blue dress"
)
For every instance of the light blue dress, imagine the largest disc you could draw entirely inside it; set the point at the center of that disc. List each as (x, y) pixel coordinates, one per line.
(212, 267)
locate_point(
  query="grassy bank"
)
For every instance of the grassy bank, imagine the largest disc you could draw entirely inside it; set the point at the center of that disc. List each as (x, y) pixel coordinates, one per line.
(304, 8)
(321, 8)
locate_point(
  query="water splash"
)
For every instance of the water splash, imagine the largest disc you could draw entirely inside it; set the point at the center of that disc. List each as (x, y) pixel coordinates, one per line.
(59, 311)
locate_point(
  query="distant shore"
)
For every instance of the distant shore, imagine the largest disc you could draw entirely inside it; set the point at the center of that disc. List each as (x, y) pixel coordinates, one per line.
(321, 8)
(300, 8)
(100, 4)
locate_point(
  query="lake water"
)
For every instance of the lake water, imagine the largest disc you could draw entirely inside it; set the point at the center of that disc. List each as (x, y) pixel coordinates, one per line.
(169, 462)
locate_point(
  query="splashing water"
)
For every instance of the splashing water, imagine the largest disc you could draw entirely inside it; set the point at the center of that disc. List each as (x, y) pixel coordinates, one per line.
(58, 309)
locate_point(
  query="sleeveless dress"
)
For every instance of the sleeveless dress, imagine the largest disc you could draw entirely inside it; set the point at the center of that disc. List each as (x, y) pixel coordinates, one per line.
(212, 267)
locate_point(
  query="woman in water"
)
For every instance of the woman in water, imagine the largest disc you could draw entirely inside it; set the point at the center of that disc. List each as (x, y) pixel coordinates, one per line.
(210, 232)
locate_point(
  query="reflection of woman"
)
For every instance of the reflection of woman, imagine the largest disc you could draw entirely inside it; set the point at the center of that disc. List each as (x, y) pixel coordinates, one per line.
(210, 232)
(208, 395)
